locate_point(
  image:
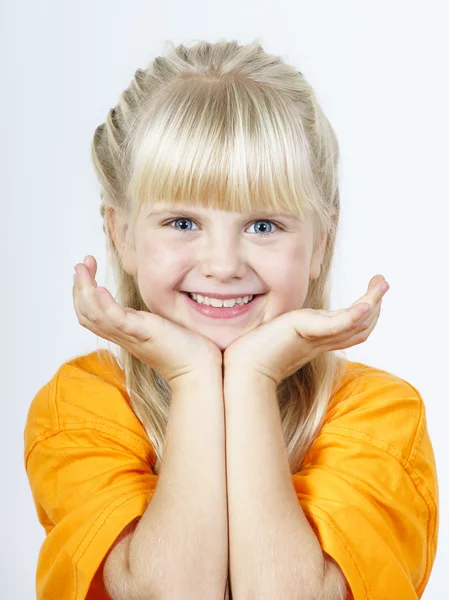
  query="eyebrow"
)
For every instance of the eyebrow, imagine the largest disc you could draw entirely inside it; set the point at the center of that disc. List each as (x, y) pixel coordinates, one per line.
(263, 213)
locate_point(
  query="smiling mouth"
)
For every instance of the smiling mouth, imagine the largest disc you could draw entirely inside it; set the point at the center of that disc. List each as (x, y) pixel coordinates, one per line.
(223, 312)
(236, 304)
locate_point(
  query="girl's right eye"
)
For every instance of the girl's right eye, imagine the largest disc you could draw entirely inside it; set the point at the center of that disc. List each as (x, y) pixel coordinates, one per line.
(179, 219)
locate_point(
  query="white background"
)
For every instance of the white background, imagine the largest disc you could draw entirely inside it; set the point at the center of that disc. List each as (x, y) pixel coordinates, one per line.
(380, 71)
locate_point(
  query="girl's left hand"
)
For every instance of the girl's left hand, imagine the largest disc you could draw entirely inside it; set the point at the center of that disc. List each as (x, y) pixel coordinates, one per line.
(279, 348)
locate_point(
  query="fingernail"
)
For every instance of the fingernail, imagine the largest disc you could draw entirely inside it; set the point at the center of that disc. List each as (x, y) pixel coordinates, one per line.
(85, 260)
(385, 288)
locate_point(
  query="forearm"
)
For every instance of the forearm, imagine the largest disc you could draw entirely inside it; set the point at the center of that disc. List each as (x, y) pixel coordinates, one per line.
(180, 546)
(273, 550)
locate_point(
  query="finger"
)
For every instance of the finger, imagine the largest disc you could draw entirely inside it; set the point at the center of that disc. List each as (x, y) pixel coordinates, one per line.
(313, 324)
(82, 282)
(107, 318)
(375, 291)
(87, 306)
(126, 322)
(83, 279)
(367, 321)
(364, 309)
(373, 297)
(364, 314)
(343, 325)
(91, 264)
(376, 280)
(338, 325)
(349, 319)
(359, 334)
(363, 334)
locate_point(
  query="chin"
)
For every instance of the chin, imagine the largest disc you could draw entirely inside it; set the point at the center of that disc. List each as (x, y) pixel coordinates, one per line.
(221, 343)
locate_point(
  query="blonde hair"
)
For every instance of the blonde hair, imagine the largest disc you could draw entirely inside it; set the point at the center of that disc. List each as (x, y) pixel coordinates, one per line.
(231, 127)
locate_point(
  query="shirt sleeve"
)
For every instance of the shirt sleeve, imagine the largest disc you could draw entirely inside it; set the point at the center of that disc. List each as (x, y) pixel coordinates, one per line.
(89, 479)
(369, 491)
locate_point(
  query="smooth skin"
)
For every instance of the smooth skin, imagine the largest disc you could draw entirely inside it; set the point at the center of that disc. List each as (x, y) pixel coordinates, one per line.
(282, 346)
(172, 350)
(275, 349)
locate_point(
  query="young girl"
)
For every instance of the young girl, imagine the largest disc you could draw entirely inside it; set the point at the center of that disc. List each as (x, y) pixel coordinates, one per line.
(227, 446)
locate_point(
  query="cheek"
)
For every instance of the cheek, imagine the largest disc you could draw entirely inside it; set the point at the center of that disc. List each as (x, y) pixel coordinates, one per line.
(159, 272)
(171, 257)
(288, 280)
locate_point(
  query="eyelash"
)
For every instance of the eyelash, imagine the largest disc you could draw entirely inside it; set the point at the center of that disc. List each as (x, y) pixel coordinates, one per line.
(281, 227)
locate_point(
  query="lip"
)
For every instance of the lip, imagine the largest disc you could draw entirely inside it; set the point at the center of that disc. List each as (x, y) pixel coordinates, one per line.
(223, 313)
(222, 296)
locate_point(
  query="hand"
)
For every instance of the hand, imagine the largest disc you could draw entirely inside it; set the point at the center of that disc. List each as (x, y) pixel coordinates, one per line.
(172, 350)
(279, 348)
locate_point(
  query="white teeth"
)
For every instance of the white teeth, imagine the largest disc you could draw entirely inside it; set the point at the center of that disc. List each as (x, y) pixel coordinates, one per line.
(215, 302)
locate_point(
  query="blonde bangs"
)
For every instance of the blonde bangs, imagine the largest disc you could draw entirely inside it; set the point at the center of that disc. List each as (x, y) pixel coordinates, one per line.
(224, 144)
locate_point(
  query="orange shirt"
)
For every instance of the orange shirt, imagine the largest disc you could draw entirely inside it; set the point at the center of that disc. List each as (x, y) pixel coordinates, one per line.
(368, 485)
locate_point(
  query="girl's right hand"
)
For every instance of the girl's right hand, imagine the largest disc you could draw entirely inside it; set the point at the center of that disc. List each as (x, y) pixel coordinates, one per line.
(172, 350)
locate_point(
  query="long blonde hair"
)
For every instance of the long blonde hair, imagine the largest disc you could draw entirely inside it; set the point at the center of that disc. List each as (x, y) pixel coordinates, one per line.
(231, 127)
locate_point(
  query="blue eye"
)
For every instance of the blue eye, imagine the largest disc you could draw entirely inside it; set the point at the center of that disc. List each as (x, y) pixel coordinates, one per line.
(185, 219)
(179, 219)
(266, 221)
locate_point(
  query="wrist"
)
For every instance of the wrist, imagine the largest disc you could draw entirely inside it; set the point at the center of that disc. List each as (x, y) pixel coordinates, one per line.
(237, 375)
(207, 376)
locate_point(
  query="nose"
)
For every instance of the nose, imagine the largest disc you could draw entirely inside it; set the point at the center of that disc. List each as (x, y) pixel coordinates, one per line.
(222, 259)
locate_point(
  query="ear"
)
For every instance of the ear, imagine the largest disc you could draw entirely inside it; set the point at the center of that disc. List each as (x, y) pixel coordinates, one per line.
(119, 230)
(317, 257)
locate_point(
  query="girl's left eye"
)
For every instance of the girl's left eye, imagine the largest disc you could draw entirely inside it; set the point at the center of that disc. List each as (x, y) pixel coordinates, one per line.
(278, 225)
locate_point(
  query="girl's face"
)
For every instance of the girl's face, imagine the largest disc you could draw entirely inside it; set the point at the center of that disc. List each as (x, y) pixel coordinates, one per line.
(196, 249)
